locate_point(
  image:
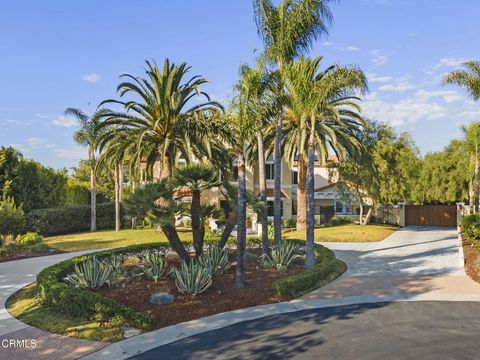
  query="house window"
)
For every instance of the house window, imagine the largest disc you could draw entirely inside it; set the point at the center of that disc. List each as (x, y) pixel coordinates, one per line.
(338, 206)
(270, 208)
(294, 178)
(294, 207)
(269, 171)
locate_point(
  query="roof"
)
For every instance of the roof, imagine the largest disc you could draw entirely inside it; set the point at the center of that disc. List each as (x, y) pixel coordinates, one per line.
(271, 194)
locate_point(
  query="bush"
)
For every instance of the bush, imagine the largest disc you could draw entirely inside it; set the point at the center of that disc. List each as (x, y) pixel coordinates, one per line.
(288, 223)
(11, 217)
(327, 269)
(69, 219)
(340, 220)
(471, 227)
(82, 303)
(29, 239)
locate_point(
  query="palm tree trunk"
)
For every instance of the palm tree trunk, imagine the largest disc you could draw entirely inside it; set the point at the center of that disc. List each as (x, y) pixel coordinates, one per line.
(117, 196)
(93, 195)
(172, 236)
(310, 243)
(477, 188)
(120, 182)
(242, 223)
(263, 193)
(301, 194)
(196, 225)
(277, 204)
(229, 226)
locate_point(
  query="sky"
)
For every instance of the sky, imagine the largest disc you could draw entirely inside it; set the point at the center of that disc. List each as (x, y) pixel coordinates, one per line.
(59, 54)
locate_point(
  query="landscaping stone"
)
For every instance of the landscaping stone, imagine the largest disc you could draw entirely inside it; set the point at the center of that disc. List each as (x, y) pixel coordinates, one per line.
(128, 332)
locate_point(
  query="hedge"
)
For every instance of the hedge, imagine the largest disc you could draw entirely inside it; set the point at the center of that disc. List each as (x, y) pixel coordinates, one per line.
(327, 269)
(77, 302)
(69, 219)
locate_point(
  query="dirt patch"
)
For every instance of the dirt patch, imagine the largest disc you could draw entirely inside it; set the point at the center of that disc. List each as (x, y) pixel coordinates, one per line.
(472, 260)
(220, 297)
(19, 254)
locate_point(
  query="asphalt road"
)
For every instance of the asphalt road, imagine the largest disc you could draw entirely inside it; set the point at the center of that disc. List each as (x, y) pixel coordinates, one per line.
(390, 331)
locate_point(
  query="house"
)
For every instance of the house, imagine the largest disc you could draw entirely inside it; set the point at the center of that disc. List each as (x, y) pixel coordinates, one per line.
(332, 198)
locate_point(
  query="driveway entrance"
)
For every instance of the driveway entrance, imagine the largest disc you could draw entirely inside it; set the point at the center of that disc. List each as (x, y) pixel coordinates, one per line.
(431, 215)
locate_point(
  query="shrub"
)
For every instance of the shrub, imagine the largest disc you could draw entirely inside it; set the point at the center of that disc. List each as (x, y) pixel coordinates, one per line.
(216, 260)
(162, 298)
(288, 223)
(89, 274)
(69, 219)
(192, 278)
(29, 239)
(340, 220)
(155, 267)
(327, 269)
(282, 255)
(11, 217)
(471, 227)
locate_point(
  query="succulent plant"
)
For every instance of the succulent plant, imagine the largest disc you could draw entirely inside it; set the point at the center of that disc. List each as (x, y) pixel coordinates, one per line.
(155, 267)
(215, 259)
(161, 298)
(193, 278)
(281, 257)
(89, 274)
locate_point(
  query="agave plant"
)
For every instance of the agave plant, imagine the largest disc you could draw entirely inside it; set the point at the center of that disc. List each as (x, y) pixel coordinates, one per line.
(89, 274)
(156, 266)
(216, 260)
(119, 274)
(192, 278)
(281, 257)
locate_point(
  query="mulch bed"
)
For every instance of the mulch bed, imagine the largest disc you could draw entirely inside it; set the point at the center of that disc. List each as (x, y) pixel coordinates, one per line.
(19, 254)
(220, 297)
(472, 260)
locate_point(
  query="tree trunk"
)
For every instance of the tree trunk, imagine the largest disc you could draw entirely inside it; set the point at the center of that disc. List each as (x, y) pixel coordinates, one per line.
(362, 222)
(93, 194)
(117, 196)
(310, 242)
(277, 204)
(301, 194)
(165, 168)
(196, 226)
(369, 214)
(263, 194)
(172, 236)
(241, 223)
(120, 182)
(229, 226)
(477, 189)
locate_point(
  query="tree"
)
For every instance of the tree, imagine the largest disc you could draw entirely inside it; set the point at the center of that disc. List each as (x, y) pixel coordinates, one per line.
(471, 134)
(197, 178)
(88, 135)
(468, 78)
(104, 183)
(326, 117)
(287, 31)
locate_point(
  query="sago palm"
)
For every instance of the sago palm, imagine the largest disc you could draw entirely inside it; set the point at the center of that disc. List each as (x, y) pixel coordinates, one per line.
(288, 30)
(88, 135)
(326, 117)
(197, 178)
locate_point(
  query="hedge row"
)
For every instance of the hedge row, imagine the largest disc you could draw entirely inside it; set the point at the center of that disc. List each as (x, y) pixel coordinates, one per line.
(327, 269)
(68, 219)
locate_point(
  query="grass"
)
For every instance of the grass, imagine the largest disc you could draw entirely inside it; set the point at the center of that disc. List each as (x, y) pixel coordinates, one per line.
(27, 307)
(109, 239)
(348, 233)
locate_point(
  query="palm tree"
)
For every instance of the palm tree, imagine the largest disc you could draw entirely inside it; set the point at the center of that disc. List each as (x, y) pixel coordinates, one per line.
(471, 134)
(323, 104)
(468, 79)
(288, 30)
(197, 178)
(162, 122)
(88, 135)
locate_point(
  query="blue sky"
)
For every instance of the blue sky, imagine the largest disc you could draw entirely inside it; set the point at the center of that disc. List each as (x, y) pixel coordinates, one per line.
(58, 54)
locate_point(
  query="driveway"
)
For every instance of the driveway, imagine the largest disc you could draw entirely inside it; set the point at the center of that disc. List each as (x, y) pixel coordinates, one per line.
(13, 276)
(406, 297)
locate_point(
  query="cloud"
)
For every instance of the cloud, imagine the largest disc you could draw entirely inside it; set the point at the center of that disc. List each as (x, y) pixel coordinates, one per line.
(378, 58)
(447, 95)
(64, 121)
(449, 62)
(352, 48)
(398, 87)
(405, 111)
(378, 78)
(91, 78)
(11, 122)
(75, 153)
(38, 142)
(327, 43)
(42, 116)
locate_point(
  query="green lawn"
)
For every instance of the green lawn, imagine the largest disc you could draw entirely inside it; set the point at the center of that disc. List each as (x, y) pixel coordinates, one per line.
(348, 233)
(107, 239)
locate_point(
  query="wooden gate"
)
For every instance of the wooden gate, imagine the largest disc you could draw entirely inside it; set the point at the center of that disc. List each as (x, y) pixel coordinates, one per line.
(431, 215)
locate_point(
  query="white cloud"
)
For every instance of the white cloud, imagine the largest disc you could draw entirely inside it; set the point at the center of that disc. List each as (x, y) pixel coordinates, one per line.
(469, 115)
(447, 95)
(449, 62)
(42, 116)
(11, 122)
(398, 87)
(91, 78)
(64, 121)
(75, 153)
(352, 48)
(327, 43)
(378, 58)
(405, 111)
(38, 142)
(378, 78)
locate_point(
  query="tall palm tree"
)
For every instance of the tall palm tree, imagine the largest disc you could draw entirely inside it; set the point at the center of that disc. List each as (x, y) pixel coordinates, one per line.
(288, 30)
(88, 135)
(324, 106)
(197, 178)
